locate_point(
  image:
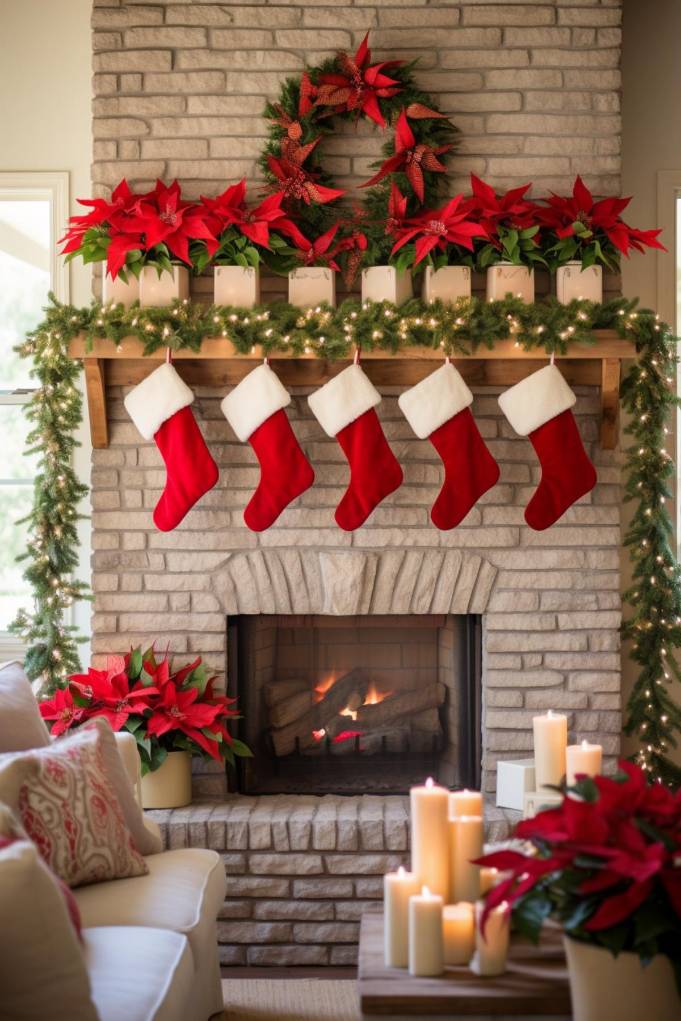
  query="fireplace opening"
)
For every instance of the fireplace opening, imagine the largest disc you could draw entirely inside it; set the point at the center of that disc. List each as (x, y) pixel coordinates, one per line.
(355, 704)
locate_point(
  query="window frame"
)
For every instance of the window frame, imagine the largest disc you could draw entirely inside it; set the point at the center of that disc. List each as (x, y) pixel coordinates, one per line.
(52, 186)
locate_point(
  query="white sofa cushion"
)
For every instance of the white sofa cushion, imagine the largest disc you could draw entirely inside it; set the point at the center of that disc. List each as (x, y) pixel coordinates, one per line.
(21, 725)
(139, 974)
(42, 972)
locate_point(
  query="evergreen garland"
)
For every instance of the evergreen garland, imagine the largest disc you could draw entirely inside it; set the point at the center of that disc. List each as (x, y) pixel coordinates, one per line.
(654, 623)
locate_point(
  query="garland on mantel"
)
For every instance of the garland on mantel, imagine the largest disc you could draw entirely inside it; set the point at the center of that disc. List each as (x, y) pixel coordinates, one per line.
(654, 625)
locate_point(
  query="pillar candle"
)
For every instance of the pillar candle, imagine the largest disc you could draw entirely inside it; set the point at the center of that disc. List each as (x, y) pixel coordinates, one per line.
(550, 742)
(430, 837)
(458, 929)
(398, 887)
(488, 878)
(466, 836)
(426, 948)
(465, 803)
(583, 758)
(491, 950)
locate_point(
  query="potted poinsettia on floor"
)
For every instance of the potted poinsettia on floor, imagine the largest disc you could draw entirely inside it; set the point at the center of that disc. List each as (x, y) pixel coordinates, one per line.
(585, 235)
(172, 713)
(606, 865)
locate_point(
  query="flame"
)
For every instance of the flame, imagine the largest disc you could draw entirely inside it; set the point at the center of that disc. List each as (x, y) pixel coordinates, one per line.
(323, 686)
(374, 696)
(352, 713)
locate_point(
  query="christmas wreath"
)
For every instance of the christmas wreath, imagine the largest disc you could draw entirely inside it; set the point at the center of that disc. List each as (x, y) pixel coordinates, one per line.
(352, 88)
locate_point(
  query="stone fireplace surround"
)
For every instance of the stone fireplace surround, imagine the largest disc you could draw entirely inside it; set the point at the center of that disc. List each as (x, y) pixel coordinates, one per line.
(301, 868)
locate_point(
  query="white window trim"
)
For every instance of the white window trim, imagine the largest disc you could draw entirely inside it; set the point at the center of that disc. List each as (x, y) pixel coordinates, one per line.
(36, 185)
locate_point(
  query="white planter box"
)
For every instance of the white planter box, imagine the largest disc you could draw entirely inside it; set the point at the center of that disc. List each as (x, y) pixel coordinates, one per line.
(117, 292)
(165, 289)
(537, 801)
(574, 282)
(384, 283)
(603, 986)
(169, 786)
(514, 779)
(236, 285)
(446, 284)
(310, 285)
(504, 278)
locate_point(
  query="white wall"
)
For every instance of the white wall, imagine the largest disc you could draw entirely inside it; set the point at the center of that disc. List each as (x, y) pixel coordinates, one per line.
(45, 124)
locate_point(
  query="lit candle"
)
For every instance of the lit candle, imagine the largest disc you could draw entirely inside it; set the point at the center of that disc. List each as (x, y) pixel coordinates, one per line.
(550, 742)
(458, 930)
(465, 802)
(491, 949)
(426, 948)
(430, 837)
(398, 887)
(466, 837)
(488, 878)
(583, 758)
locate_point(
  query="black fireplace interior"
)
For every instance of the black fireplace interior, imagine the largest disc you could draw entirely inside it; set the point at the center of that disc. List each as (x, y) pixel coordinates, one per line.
(361, 704)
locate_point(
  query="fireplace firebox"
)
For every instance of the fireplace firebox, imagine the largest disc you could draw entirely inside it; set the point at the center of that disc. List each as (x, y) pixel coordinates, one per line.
(355, 704)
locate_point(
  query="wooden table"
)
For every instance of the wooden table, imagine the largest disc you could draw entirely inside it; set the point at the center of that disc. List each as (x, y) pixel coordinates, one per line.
(535, 984)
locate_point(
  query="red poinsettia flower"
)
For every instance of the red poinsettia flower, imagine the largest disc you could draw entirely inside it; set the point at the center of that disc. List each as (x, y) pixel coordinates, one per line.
(360, 86)
(413, 158)
(164, 218)
(316, 253)
(179, 710)
(114, 217)
(511, 209)
(581, 214)
(353, 246)
(112, 694)
(123, 203)
(437, 228)
(397, 211)
(63, 710)
(297, 182)
(230, 210)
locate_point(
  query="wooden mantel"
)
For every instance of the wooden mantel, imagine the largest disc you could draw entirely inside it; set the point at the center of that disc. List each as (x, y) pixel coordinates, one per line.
(218, 364)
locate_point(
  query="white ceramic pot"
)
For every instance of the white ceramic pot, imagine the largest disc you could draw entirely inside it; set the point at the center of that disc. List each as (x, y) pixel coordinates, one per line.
(165, 289)
(504, 278)
(118, 292)
(604, 987)
(169, 786)
(574, 282)
(385, 283)
(310, 285)
(446, 284)
(236, 285)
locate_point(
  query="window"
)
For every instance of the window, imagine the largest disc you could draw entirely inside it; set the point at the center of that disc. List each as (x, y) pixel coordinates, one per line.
(33, 211)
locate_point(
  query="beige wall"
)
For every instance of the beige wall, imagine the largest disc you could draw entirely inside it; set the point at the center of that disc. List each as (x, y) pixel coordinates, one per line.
(45, 124)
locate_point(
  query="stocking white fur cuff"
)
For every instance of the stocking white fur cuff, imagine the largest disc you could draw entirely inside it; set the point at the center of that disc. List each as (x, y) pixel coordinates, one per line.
(254, 400)
(156, 399)
(536, 400)
(435, 400)
(343, 399)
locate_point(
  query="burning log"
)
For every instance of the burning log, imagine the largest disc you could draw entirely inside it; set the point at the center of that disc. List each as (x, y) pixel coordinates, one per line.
(291, 708)
(281, 690)
(400, 704)
(351, 686)
(426, 722)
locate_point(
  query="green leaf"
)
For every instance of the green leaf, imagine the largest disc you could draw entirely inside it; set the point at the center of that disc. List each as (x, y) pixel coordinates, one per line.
(241, 749)
(530, 913)
(135, 664)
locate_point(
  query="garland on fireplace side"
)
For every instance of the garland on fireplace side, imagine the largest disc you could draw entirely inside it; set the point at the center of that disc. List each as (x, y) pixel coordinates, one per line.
(654, 623)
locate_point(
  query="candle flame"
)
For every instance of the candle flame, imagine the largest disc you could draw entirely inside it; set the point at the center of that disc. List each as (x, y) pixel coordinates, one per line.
(400, 871)
(430, 782)
(585, 744)
(550, 713)
(425, 892)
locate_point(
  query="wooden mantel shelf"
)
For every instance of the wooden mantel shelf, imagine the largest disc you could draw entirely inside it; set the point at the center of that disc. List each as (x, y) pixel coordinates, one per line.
(218, 364)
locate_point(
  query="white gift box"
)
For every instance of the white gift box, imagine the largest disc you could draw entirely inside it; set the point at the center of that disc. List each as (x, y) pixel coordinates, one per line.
(385, 283)
(236, 285)
(574, 282)
(119, 292)
(504, 278)
(538, 801)
(310, 285)
(514, 779)
(165, 289)
(446, 284)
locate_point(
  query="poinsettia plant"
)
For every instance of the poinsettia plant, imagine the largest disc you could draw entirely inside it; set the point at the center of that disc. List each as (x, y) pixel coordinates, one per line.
(590, 231)
(606, 864)
(511, 224)
(440, 237)
(166, 709)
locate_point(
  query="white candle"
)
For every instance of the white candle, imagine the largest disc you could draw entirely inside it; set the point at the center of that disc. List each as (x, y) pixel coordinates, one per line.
(466, 837)
(398, 887)
(426, 948)
(583, 758)
(491, 950)
(488, 878)
(465, 802)
(458, 930)
(430, 837)
(550, 742)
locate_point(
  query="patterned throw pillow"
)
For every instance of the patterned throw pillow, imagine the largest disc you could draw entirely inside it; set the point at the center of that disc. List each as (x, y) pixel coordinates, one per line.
(71, 812)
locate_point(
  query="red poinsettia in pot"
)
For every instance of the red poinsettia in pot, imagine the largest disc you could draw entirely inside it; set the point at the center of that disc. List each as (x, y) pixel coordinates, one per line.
(314, 279)
(605, 865)
(441, 240)
(583, 236)
(172, 713)
(510, 250)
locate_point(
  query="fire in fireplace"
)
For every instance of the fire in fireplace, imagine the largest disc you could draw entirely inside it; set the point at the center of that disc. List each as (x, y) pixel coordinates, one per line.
(346, 704)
